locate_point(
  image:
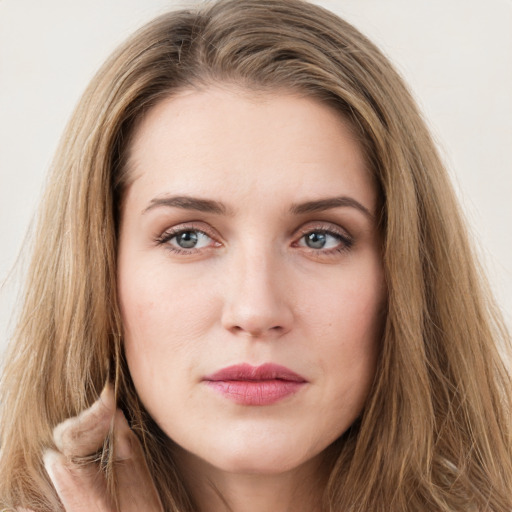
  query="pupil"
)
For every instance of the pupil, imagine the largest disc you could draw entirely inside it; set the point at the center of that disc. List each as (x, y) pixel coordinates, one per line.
(316, 240)
(187, 239)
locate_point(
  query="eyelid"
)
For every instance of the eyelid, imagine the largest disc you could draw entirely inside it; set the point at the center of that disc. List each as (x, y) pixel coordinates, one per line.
(328, 227)
(199, 226)
(345, 238)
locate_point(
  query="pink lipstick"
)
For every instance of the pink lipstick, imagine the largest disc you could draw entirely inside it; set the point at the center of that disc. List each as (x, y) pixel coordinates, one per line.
(255, 385)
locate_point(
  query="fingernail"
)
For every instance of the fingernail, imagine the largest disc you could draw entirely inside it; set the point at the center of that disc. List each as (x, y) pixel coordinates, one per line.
(58, 433)
(51, 459)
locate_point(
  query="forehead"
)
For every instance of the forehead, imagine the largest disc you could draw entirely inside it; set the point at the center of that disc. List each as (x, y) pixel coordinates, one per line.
(241, 144)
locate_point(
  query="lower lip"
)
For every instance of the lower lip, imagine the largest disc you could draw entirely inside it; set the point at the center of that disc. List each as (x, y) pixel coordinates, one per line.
(261, 392)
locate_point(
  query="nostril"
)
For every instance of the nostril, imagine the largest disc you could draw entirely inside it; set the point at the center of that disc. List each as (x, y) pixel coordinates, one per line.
(253, 333)
(257, 333)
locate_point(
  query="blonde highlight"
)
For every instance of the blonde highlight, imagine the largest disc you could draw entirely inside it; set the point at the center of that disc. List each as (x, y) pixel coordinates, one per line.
(436, 432)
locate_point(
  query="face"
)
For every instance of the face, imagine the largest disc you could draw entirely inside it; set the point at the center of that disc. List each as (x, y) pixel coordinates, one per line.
(250, 278)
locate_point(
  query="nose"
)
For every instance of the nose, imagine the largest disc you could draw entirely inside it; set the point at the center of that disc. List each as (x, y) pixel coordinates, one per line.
(258, 302)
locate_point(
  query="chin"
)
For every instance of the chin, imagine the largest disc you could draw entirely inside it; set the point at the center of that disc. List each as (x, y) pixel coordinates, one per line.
(257, 463)
(259, 454)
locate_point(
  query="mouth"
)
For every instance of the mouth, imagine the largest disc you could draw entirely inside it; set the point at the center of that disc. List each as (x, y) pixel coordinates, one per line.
(255, 385)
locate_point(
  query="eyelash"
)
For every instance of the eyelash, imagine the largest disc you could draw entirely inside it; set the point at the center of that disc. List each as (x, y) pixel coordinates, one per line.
(346, 241)
(168, 235)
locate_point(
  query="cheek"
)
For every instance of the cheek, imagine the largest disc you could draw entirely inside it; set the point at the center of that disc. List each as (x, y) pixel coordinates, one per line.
(162, 327)
(156, 302)
(347, 323)
(348, 311)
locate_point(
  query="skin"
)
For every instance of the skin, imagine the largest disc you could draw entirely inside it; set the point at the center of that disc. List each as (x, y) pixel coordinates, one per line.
(81, 487)
(271, 279)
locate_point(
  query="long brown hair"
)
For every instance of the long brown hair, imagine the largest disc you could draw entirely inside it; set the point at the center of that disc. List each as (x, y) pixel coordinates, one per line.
(435, 433)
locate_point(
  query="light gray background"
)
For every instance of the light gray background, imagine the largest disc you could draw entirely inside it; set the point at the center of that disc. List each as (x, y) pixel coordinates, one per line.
(455, 54)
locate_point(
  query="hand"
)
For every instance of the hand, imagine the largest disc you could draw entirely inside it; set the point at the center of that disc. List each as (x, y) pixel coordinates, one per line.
(82, 486)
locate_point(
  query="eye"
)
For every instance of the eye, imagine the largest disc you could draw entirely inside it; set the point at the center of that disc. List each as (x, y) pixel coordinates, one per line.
(319, 240)
(185, 240)
(190, 239)
(325, 240)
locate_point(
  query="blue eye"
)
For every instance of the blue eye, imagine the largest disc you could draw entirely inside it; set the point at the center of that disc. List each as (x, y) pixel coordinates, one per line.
(185, 239)
(316, 240)
(190, 239)
(324, 240)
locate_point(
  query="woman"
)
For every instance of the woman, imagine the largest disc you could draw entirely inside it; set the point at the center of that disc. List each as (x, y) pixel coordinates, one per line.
(249, 236)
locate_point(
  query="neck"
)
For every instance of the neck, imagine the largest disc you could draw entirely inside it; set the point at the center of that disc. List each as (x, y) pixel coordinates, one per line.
(213, 490)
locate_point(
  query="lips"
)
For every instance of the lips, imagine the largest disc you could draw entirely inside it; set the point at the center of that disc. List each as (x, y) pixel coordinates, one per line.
(255, 385)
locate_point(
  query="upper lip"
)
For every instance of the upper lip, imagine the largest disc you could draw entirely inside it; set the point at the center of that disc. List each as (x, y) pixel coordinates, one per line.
(247, 372)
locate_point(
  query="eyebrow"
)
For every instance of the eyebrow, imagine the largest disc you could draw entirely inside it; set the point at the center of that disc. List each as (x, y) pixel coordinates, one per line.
(329, 203)
(218, 208)
(188, 203)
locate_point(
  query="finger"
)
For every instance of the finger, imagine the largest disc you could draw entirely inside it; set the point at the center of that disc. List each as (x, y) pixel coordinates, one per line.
(136, 488)
(81, 488)
(84, 434)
